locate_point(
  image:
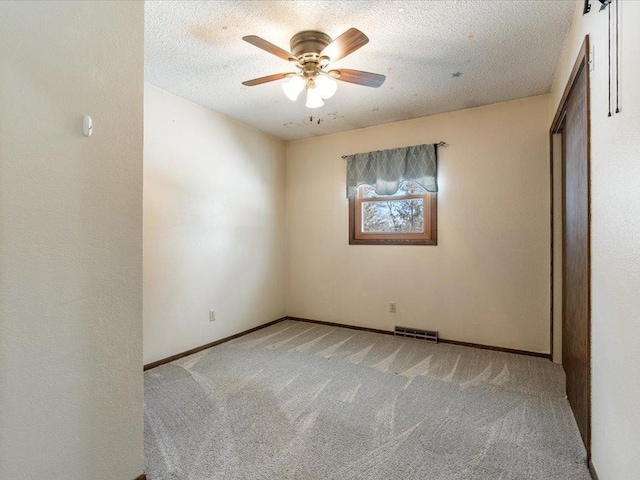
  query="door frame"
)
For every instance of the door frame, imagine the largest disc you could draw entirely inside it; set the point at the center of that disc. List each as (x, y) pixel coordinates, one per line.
(582, 62)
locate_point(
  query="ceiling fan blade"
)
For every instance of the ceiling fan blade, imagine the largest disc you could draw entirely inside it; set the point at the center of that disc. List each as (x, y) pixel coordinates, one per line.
(268, 78)
(269, 47)
(345, 44)
(359, 77)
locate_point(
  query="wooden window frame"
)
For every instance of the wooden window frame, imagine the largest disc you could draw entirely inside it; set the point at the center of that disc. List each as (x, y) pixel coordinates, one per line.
(429, 237)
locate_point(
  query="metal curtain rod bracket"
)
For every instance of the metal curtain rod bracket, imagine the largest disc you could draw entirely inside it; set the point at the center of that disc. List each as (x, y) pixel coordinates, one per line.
(439, 144)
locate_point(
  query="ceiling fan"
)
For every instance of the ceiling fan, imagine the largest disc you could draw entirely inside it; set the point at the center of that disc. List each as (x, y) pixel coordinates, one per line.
(313, 52)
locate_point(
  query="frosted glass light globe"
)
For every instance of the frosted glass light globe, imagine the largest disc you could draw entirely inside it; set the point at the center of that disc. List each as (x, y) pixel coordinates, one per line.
(293, 86)
(326, 85)
(314, 97)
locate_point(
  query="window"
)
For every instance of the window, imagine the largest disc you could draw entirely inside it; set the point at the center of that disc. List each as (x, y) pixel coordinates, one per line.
(408, 217)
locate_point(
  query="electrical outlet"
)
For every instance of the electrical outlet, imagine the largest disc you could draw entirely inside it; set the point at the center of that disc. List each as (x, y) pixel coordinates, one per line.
(212, 315)
(392, 307)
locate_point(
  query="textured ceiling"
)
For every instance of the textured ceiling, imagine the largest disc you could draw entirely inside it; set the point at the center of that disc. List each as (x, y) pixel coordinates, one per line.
(503, 49)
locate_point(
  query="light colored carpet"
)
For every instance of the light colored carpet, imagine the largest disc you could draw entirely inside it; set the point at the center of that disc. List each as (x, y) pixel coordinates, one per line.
(304, 401)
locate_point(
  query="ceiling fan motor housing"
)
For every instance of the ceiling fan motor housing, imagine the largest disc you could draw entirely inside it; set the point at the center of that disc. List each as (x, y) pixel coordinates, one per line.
(307, 45)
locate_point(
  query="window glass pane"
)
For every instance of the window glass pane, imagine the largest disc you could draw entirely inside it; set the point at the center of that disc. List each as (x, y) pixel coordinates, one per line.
(405, 188)
(393, 216)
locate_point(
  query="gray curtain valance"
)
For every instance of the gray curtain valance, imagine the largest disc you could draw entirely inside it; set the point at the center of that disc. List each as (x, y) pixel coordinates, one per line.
(386, 169)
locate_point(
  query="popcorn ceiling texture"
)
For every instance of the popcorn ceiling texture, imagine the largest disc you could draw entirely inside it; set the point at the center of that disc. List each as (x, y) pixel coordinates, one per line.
(303, 401)
(504, 50)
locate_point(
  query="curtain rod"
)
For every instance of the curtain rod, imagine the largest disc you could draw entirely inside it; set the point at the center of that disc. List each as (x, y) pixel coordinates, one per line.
(439, 144)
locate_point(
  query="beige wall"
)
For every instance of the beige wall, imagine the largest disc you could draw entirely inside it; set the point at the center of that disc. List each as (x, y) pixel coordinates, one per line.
(615, 236)
(486, 282)
(213, 226)
(71, 240)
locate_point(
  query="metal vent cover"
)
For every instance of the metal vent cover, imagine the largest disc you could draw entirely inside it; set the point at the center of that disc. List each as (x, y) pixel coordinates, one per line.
(428, 335)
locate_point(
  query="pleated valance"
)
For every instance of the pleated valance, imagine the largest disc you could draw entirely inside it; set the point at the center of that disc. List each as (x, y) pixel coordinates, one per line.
(386, 169)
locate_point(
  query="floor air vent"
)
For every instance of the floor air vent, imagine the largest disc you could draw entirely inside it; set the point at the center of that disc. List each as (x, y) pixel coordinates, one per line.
(428, 335)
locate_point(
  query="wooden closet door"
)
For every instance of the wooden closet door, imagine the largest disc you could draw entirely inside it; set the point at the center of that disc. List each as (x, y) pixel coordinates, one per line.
(576, 335)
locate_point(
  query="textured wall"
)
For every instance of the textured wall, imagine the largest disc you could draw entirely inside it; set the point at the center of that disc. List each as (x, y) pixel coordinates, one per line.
(213, 226)
(488, 279)
(615, 235)
(71, 240)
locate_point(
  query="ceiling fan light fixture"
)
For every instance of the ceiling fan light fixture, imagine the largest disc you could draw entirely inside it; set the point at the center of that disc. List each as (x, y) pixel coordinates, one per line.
(293, 86)
(312, 54)
(314, 97)
(326, 85)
